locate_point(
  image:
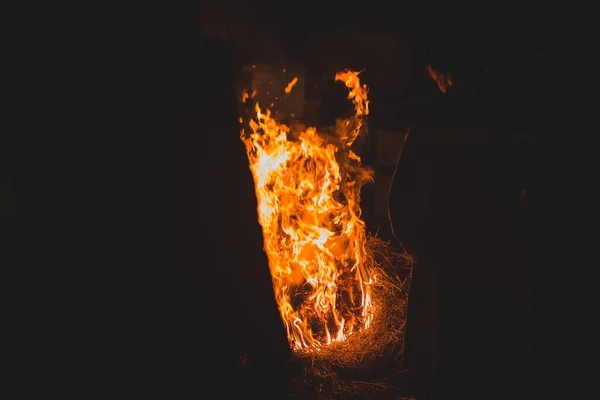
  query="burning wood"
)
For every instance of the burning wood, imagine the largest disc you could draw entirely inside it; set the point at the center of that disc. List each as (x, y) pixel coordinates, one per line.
(327, 282)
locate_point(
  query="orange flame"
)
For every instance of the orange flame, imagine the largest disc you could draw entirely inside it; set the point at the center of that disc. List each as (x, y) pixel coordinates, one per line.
(444, 81)
(308, 191)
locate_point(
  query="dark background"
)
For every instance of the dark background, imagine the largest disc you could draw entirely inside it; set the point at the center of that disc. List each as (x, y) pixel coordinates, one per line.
(154, 210)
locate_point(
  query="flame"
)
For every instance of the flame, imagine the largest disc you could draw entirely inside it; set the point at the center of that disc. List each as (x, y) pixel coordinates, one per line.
(308, 190)
(245, 95)
(444, 81)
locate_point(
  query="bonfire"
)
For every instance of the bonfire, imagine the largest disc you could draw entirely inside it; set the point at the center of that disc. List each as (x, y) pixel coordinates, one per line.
(341, 292)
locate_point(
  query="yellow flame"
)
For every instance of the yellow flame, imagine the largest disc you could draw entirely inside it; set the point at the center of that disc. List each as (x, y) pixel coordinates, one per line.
(308, 191)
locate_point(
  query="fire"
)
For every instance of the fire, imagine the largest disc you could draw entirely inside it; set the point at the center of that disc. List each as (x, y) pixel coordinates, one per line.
(444, 81)
(308, 190)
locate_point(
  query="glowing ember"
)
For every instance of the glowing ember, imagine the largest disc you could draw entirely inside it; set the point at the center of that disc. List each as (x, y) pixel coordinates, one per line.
(308, 190)
(290, 85)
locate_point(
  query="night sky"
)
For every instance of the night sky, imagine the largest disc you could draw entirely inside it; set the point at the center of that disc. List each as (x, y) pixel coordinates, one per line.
(167, 283)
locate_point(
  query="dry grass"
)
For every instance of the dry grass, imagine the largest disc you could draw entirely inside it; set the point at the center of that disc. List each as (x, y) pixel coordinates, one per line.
(336, 370)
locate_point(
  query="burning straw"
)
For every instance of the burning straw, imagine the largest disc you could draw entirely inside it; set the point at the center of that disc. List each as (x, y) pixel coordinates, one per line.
(385, 337)
(340, 368)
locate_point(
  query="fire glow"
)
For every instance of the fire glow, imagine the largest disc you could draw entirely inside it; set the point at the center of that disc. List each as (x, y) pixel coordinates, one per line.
(308, 190)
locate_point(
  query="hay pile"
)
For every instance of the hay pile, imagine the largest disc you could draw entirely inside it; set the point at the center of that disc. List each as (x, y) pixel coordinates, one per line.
(341, 369)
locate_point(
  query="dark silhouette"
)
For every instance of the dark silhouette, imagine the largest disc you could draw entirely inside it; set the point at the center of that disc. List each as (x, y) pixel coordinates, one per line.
(466, 202)
(471, 311)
